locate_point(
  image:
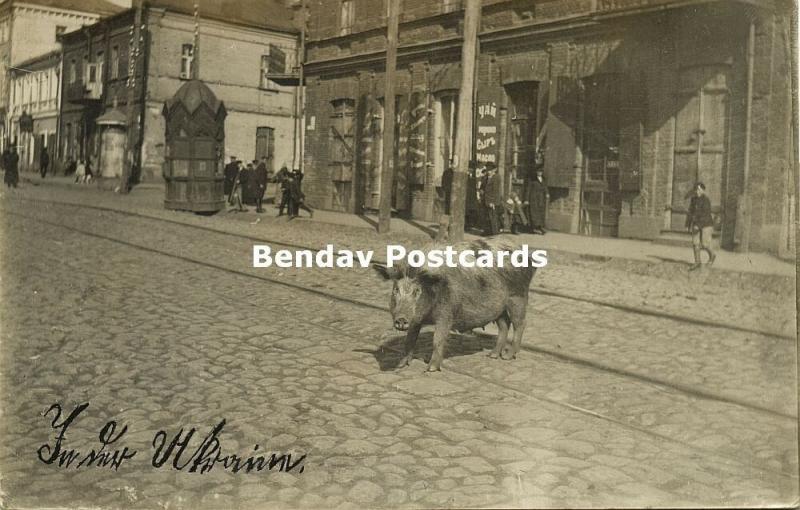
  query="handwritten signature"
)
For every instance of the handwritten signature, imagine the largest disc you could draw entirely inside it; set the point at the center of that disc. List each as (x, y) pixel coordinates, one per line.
(176, 448)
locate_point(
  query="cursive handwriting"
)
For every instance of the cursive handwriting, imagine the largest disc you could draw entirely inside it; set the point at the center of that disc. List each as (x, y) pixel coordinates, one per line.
(97, 458)
(177, 451)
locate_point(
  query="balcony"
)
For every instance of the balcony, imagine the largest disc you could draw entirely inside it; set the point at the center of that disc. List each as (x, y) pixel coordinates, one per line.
(81, 92)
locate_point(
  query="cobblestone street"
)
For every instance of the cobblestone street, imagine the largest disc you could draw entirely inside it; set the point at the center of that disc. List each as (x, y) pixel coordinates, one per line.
(163, 326)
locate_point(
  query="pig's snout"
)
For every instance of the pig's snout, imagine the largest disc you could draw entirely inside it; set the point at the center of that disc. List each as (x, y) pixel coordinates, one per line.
(401, 324)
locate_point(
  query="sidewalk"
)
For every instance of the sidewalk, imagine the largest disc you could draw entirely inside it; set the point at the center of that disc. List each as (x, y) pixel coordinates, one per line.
(151, 196)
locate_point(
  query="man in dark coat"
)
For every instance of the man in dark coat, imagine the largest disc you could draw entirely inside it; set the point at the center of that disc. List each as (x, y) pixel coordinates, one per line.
(231, 170)
(297, 199)
(282, 177)
(491, 199)
(536, 200)
(260, 178)
(12, 168)
(701, 225)
(44, 162)
(447, 187)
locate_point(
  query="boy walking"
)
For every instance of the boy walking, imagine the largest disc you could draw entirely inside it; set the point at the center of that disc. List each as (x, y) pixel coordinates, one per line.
(701, 225)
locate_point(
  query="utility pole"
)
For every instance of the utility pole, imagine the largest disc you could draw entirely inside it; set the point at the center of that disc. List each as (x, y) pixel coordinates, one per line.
(300, 95)
(130, 144)
(466, 108)
(387, 170)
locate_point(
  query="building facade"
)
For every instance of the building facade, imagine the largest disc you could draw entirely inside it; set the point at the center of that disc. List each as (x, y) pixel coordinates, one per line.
(238, 45)
(631, 102)
(28, 32)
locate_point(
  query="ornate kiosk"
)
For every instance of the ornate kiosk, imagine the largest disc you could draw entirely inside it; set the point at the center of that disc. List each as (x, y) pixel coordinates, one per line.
(195, 142)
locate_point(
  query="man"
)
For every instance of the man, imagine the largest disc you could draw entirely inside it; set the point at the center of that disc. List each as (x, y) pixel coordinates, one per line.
(536, 197)
(235, 197)
(447, 186)
(231, 170)
(12, 168)
(261, 177)
(283, 178)
(296, 196)
(44, 162)
(701, 225)
(491, 198)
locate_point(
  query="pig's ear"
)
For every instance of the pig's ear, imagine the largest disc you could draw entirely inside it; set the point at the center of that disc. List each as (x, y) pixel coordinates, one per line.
(385, 272)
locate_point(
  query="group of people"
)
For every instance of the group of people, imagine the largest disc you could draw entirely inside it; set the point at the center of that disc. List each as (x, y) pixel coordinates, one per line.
(512, 213)
(254, 178)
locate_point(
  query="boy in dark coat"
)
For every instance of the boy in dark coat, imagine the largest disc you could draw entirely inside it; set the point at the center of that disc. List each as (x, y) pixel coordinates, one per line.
(282, 177)
(701, 225)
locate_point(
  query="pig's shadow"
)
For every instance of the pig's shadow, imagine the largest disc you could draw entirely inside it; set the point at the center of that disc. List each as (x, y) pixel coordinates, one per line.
(390, 352)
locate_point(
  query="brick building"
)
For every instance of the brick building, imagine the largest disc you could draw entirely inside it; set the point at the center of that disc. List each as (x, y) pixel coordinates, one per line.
(632, 101)
(239, 43)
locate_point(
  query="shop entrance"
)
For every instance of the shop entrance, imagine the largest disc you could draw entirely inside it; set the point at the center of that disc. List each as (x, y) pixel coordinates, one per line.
(600, 198)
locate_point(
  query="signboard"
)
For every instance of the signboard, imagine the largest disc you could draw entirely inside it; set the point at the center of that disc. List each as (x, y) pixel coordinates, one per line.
(487, 132)
(277, 60)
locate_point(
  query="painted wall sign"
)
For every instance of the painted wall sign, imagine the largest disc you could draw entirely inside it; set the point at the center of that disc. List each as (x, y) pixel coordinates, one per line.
(487, 132)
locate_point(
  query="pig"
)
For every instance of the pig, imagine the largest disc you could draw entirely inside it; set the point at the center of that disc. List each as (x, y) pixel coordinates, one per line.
(459, 298)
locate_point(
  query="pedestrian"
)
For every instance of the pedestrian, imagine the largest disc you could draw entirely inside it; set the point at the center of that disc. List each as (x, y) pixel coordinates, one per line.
(246, 183)
(261, 177)
(44, 162)
(515, 213)
(89, 171)
(80, 172)
(235, 196)
(536, 199)
(229, 176)
(447, 186)
(297, 199)
(701, 225)
(283, 177)
(491, 198)
(12, 168)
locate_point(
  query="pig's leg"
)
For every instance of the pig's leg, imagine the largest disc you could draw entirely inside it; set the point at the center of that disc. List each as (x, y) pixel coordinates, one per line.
(502, 336)
(440, 335)
(517, 309)
(410, 343)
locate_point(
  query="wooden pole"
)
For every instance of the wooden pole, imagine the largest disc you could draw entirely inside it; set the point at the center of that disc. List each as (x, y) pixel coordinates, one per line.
(133, 57)
(387, 168)
(463, 149)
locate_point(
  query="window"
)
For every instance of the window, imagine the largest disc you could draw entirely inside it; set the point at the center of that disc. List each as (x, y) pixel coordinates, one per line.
(265, 145)
(446, 112)
(101, 62)
(73, 71)
(523, 127)
(346, 16)
(114, 63)
(187, 61)
(60, 29)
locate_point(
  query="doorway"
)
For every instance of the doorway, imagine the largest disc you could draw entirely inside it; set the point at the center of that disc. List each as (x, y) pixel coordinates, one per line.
(700, 132)
(601, 200)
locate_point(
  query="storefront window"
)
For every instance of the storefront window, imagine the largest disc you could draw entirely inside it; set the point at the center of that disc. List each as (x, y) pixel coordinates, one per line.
(446, 113)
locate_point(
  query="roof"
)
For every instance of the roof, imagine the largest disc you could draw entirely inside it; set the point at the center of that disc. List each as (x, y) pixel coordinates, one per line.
(102, 7)
(266, 14)
(192, 94)
(38, 62)
(113, 117)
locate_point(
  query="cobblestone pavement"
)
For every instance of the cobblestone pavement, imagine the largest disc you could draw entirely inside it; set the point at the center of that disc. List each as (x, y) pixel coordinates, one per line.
(158, 343)
(761, 302)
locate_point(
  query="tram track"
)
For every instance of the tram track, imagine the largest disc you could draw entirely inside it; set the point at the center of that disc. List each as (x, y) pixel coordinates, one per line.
(484, 380)
(537, 289)
(551, 353)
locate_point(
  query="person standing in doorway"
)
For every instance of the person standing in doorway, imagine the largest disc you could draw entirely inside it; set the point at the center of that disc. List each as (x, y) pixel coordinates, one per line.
(44, 162)
(700, 224)
(536, 199)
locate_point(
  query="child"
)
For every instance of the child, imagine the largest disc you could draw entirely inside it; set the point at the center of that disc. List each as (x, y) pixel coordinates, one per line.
(80, 172)
(515, 215)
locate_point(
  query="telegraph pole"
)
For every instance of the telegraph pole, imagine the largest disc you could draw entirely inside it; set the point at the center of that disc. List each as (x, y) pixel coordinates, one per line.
(387, 169)
(466, 108)
(133, 59)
